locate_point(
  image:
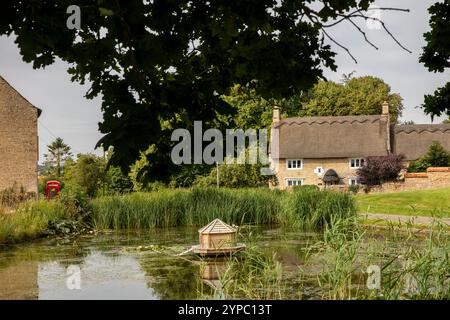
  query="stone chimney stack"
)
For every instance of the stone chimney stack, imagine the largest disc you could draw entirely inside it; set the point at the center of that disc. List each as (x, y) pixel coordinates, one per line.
(276, 117)
(385, 109)
(385, 114)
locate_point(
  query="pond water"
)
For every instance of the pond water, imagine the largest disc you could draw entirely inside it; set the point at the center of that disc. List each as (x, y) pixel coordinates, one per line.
(114, 266)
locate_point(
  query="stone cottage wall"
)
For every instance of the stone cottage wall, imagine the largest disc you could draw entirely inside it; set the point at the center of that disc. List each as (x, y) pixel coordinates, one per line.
(340, 165)
(18, 140)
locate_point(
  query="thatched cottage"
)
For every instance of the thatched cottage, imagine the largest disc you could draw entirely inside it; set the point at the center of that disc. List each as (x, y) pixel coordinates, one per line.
(18, 140)
(328, 150)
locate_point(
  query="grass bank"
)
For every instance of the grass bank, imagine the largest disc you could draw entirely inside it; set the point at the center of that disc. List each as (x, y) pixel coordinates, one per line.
(434, 202)
(195, 207)
(29, 221)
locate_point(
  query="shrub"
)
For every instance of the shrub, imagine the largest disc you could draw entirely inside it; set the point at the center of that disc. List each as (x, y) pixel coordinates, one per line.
(75, 202)
(88, 172)
(436, 156)
(354, 188)
(117, 182)
(235, 176)
(377, 170)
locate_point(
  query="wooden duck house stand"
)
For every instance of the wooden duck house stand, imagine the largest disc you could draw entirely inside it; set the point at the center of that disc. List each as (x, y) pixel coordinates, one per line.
(217, 238)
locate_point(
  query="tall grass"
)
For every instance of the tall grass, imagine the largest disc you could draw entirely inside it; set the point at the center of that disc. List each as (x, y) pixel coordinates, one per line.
(196, 207)
(312, 209)
(252, 275)
(176, 207)
(418, 269)
(29, 221)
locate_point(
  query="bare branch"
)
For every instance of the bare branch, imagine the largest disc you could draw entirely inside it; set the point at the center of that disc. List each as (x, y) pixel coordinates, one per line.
(385, 28)
(340, 45)
(363, 33)
(359, 13)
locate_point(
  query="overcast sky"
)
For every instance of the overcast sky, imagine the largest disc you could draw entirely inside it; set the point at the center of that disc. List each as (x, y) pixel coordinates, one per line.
(67, 114)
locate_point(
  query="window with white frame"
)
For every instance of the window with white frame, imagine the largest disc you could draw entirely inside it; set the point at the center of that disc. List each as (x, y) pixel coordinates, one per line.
(294, 164)
(292, 182)
(356, 163)
(353, 181)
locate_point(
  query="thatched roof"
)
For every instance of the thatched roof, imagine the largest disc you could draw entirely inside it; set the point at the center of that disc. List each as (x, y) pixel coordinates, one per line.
(414, 140)
(217, 226)
(333, 137)
(331, 176)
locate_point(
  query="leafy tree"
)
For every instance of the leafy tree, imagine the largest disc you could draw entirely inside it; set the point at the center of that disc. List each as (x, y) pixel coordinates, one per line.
(354, 96)
(377, 170)
(436, 156)
(116, 182)
(58, 154)
(436, 57)
(252, 110)
(161, 64)
(233, 175)
(88, 172)
(446, 121)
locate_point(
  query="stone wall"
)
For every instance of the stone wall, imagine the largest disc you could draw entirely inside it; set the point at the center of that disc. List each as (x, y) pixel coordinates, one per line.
(18, 140)
(340, 165)
(434, 178)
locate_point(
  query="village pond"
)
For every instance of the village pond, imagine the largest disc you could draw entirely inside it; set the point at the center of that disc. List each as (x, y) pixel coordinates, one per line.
(146, 265)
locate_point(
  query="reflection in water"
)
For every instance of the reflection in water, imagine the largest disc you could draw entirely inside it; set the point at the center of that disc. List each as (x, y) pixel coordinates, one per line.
(102, 277)
(19, 281)
(109, 270)
(211, 272)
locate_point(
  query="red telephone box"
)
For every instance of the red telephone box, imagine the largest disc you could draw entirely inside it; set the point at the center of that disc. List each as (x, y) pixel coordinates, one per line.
(52, 189)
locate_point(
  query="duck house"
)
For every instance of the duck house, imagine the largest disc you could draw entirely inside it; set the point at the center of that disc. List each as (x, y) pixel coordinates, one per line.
(217, 238)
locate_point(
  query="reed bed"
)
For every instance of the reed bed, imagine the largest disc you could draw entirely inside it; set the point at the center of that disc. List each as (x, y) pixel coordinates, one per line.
(196, 207)
(418, 269)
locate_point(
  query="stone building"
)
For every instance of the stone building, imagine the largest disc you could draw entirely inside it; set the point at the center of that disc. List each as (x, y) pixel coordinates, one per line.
(327, 151)
(18, 140)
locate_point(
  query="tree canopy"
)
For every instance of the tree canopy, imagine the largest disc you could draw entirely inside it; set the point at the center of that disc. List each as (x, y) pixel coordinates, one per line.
(436, 57)
(354, 96)
(58, 153)
(160, 64)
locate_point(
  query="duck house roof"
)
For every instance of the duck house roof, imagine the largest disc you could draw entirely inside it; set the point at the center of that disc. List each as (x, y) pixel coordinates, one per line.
(217, 226)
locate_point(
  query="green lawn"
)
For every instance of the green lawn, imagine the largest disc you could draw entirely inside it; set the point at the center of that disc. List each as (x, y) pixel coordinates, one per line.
(422, 203)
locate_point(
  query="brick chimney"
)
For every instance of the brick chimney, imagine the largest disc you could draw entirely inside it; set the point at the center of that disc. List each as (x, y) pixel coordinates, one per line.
(276, 116)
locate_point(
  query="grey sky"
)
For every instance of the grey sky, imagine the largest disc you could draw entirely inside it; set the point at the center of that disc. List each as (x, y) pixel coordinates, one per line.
(67, 114)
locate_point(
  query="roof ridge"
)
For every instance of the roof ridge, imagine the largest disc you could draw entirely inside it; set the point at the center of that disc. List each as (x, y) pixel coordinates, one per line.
(214, 225)
(328, 120)
(419, 128)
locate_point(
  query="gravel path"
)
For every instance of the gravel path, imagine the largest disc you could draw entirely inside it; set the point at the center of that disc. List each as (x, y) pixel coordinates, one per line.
(405, 218)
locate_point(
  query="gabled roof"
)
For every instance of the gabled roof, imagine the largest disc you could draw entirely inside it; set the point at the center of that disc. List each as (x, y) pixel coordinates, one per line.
(333, 137)
(9, 87)
(217, 226)
(414, 140)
